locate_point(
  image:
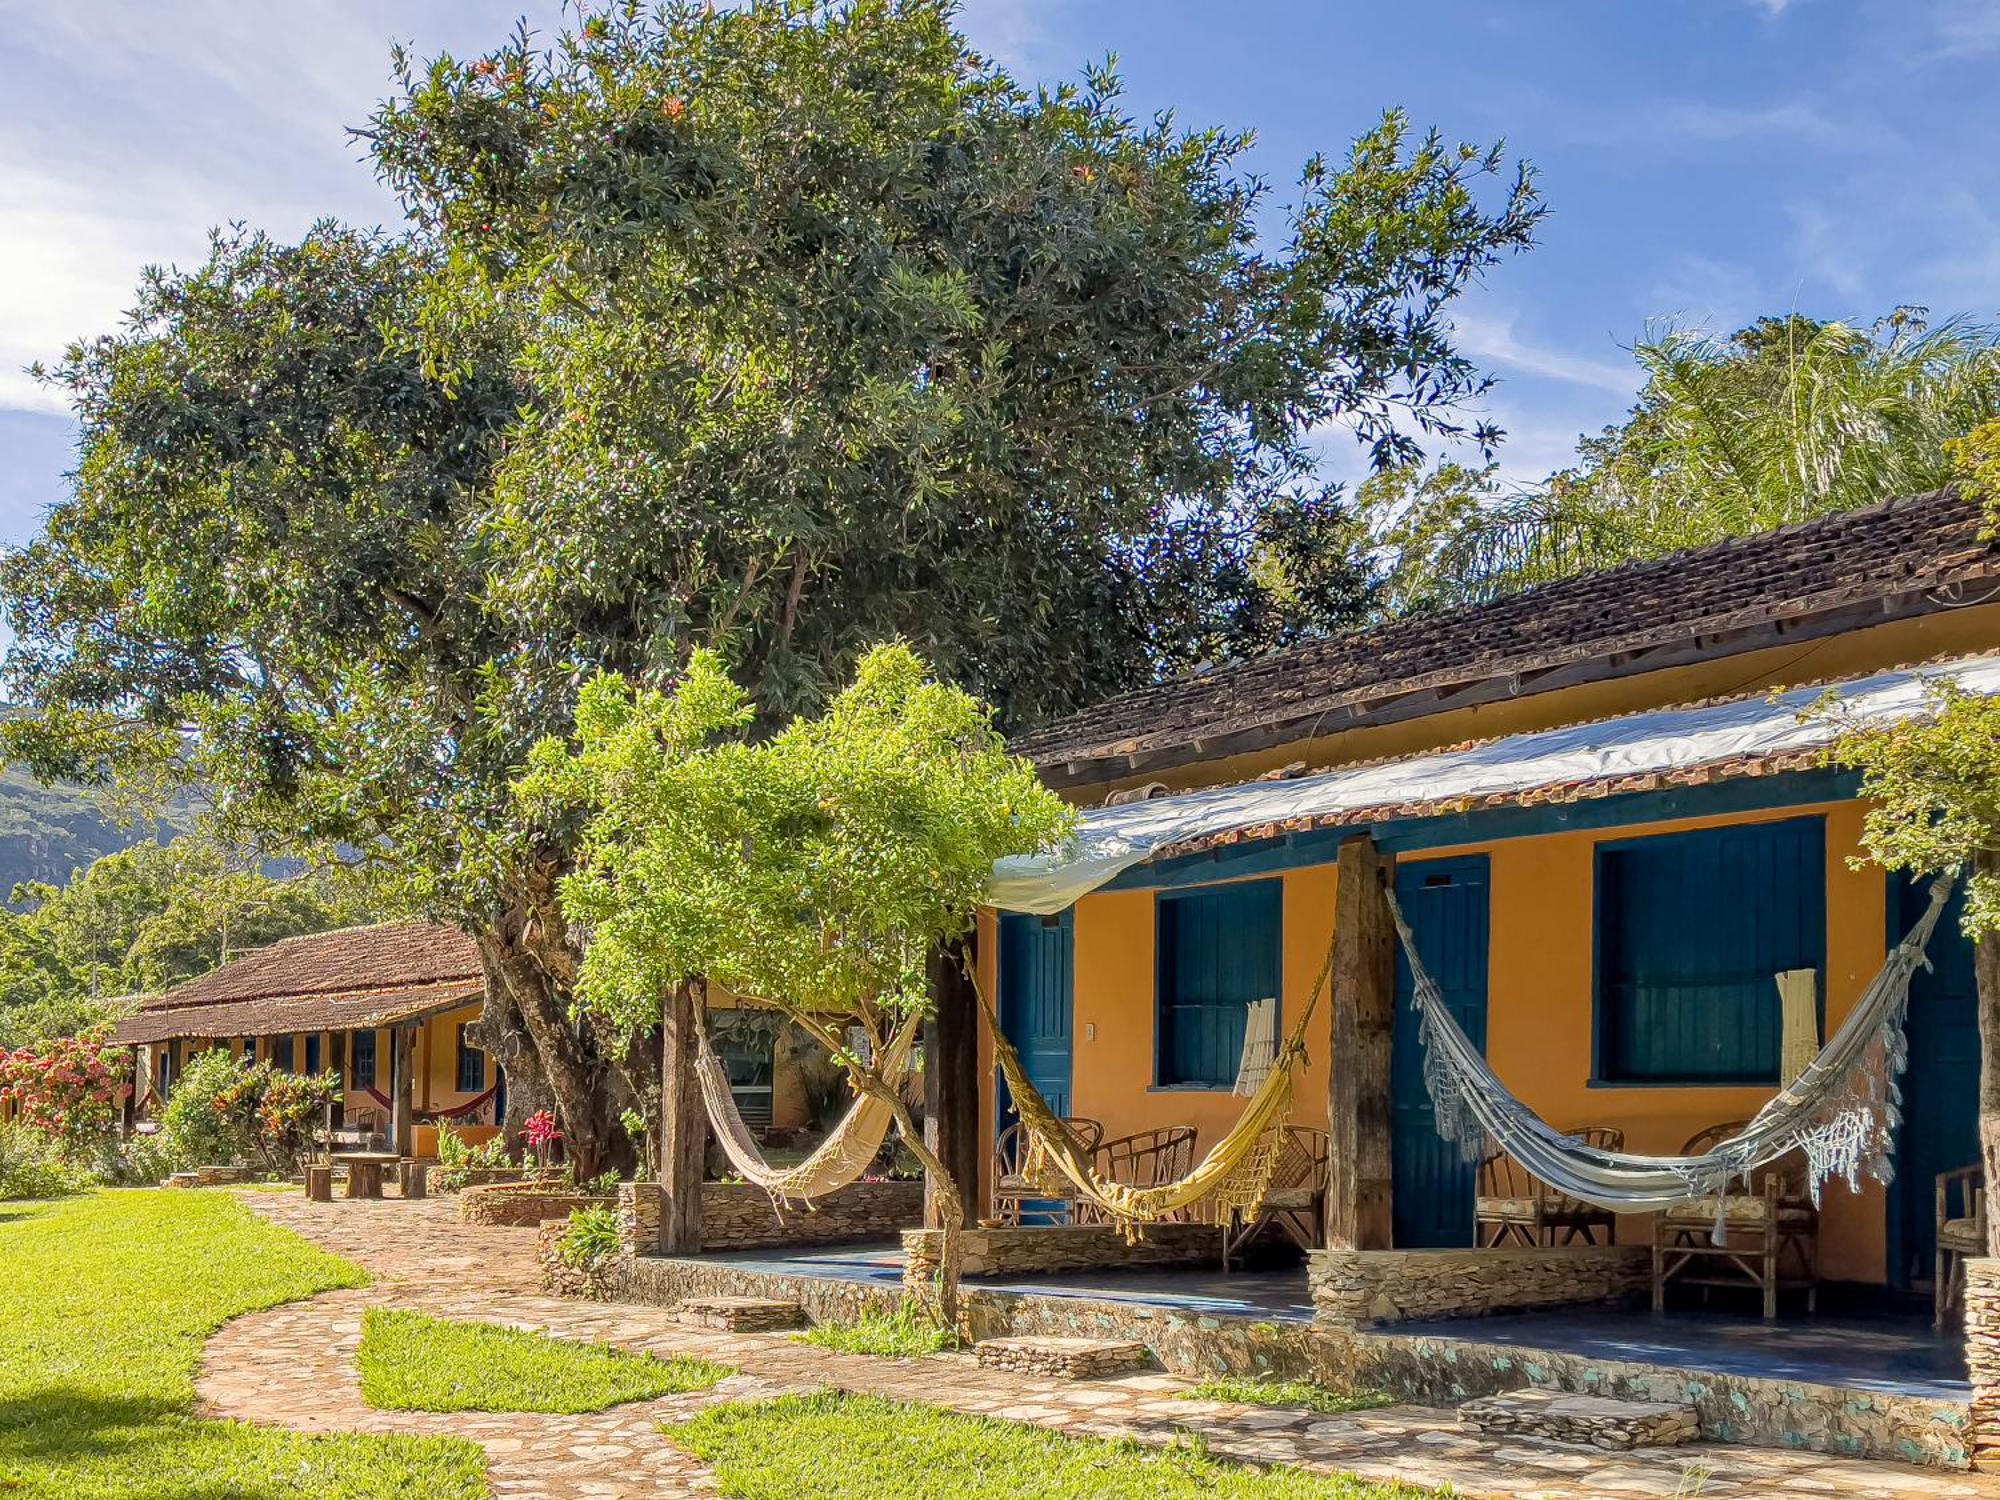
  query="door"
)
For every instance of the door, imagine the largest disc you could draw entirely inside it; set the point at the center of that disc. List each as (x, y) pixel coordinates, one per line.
(1940, 1130)
(1037, 962)
(1445, 902)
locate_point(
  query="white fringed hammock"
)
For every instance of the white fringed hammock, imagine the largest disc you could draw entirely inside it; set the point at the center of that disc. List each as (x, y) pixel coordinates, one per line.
(839, 1159)
(1841, 1112)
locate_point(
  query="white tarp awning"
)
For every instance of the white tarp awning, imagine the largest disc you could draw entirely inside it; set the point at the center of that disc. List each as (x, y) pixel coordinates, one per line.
(1110, 840)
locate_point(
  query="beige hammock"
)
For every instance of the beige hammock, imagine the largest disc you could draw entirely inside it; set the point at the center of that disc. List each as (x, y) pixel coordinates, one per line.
(1233, 1177)
(838, 1160)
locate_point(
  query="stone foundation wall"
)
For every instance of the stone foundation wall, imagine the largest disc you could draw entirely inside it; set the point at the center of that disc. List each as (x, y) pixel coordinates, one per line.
(739, 1216)
(520, 1204)
(1046, 1249)
(1982, 1358)
(1355, 1287)
(560, 1278)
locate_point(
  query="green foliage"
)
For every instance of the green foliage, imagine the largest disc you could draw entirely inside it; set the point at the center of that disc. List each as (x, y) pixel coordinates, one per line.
(1783, 421)
(458, 1159)
(147, 917)
(103, 1313)
(194, 1129)
(1931, 785)
(33, 1166)
(1977, 456)
(410, 1362)
(816, 868)
(592, 1236)
(777, 1450)
(1266, 1391)
(910, 1332)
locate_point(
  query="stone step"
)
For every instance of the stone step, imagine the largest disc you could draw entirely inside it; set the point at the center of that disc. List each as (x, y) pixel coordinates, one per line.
(1064, 1359)
(1591, 1421)
(740, 1314)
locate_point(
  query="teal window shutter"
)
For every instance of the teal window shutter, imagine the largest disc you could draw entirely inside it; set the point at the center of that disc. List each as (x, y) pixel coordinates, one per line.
(1219, 948)
(1692, 931)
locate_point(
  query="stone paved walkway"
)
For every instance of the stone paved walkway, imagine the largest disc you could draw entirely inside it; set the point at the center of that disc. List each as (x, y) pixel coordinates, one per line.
(293, 1366)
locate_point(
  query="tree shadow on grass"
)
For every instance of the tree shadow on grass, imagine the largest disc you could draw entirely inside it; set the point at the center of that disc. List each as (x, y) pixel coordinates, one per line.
(63, 1440)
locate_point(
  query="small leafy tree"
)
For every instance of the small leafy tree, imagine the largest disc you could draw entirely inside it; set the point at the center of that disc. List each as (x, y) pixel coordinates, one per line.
(70, 1089)
(813, 872)
(1933, 787)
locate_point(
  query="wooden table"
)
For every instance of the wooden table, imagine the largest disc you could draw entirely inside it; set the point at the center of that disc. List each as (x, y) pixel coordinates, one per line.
(364, 1171)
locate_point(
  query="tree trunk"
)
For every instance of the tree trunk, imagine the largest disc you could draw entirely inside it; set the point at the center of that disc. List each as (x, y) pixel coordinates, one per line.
(951, 1079)
(946, 1201)
(1986, 973)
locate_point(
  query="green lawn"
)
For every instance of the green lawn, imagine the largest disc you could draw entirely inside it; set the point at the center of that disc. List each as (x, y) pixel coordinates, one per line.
(835, 1447)
(907, 1333)
(410, 1362)
(1300, 1393)
(104, 1307)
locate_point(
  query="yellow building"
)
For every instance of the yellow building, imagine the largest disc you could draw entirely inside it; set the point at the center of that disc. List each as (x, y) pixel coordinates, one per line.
(1609, 840)
(385, 1007)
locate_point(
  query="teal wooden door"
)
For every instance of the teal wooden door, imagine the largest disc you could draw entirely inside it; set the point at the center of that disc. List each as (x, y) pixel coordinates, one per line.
(1445, 901)
(1940, 1130)
(1037, 1008)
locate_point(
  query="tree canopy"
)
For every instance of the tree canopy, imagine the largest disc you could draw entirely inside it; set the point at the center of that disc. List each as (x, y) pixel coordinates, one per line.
(1783, 421)
(775, 330)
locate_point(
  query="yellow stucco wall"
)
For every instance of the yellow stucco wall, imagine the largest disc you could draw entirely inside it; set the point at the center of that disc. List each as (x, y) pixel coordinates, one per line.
(1539, 1012)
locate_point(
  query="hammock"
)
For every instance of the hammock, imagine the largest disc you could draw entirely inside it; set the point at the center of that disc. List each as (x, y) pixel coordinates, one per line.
(1841, 1111)
(838, 1160)
(1233, 1177)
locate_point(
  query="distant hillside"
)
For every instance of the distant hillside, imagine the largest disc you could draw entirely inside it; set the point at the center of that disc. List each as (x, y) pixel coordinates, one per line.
(48, 831)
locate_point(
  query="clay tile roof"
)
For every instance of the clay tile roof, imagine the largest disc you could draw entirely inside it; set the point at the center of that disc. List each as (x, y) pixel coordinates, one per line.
(1855, 558)
(352, 977)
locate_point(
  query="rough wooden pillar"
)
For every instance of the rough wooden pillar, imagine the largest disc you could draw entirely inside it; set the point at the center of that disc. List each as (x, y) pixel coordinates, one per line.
(1986, 983)
(683, 1130)
(336, 1057)
(1358, 1195)
(402, 1054)
(129, 1117)
(951, 1081)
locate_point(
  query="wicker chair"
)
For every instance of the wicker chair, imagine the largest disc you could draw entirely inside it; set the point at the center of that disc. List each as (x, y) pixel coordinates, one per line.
(1511, 1204)
(1961, 1231)
(1769, 1239)
(1146, 1158)
(1011, 1189)
(1295, 1202)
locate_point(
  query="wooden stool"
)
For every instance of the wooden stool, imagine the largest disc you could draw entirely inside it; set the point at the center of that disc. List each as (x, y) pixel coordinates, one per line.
(414, 1178)
(319, 1183)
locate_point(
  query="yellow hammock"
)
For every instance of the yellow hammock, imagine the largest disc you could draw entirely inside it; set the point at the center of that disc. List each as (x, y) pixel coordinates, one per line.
(1232, 1177)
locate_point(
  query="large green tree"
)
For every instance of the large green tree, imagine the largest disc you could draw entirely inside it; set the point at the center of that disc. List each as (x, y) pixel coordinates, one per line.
(776, 329)
(1784, 420)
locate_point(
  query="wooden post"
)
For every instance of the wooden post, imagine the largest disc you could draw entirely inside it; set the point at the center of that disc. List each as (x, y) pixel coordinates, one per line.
(1359, 1189)
(1986, 982)
(951, 1082)
(129, 1118)
(402, 1055)
(683, 1129)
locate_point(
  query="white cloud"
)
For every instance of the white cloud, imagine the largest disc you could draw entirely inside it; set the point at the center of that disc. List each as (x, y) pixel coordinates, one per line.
(1497, 340)
(1965, 29)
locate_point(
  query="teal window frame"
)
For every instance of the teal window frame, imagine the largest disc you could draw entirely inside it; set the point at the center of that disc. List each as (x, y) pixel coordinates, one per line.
(364, 1060)
(471, 1064)
(1170, 1013)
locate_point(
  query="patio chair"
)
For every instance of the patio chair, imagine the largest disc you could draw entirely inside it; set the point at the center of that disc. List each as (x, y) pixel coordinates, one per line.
(1011, 1190)
(1512, 1204)
(1961, 1231)
(1769, 1236)
(1145, 1158)
(1295, 1202)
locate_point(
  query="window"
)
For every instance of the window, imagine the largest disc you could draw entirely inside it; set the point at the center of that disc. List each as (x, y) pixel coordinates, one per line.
(166, 1069)
(249, 1049)
(749, 1057)
(1692, 930)
(471, 1065)
(312, 1053)
(281, 1052)
(1219, 949)
(364, 1061)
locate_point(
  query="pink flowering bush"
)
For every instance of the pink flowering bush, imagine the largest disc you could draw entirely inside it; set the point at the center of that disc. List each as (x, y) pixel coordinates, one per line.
(71, 1089)
(541, 1132)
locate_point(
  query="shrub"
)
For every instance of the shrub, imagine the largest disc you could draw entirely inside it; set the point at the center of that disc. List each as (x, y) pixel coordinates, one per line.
(142, 1161)
(285, 1110)
(909, 1332)
(69, 1088)
(202, 1123)
(592, 1236)
(458, 1159)
(32, 1164)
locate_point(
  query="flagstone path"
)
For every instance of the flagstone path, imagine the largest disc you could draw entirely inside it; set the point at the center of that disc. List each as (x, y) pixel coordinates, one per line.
(293, 1366)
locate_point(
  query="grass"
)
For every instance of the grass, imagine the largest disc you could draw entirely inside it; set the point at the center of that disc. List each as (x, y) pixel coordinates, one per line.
(410, 1362)
(104, 1308)
(907, 1333)
(1264, 1391)
(838, 1447)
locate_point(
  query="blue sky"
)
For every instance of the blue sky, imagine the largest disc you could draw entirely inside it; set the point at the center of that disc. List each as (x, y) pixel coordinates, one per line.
(1705, 160)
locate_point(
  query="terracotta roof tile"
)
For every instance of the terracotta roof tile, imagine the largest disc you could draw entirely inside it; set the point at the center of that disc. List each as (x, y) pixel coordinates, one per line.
(1897, 548)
